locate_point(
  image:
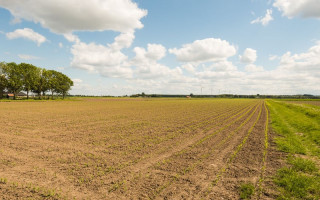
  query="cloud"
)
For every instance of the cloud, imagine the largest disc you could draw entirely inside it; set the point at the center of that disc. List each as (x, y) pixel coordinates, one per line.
(99, 58)
(294, 74)
(249, 56)
(60, 45)
(154, 53)
(302, 8)
(210, 49)
(264, 20)
(62, 16)
(27, 57)
(273, 57)
(219, 70)
(71, 37)
(124, 40)
(27, 33)
(147, 66)
(222, 66)
(253, 68)
(307, 62)
(107, 60)
(189, 68)
(77, 81)
(220, 76)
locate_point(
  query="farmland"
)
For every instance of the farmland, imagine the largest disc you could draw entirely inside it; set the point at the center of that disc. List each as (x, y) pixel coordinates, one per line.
(136, 149)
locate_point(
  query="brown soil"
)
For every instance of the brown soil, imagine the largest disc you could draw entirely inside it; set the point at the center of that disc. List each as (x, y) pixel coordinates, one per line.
(146, 149)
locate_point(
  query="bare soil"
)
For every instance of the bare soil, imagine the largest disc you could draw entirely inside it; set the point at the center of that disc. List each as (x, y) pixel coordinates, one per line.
(134, 149)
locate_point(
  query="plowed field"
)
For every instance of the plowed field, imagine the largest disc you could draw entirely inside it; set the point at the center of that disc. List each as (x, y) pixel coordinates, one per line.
(135, 149)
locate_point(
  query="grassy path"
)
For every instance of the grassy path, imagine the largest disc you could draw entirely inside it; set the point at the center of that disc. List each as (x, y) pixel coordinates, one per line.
(299, 136)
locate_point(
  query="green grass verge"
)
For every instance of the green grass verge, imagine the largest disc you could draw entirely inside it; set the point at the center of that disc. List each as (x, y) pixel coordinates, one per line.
(298, 126)
(299, 130)
(296, 99)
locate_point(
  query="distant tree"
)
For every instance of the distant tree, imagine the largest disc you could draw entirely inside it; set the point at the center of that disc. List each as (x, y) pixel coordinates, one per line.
(3, 80)
(63, 84)
(143, 94)
(53, 81)
(191, 94)
(41, 83)
(30, 74)
(14, 78)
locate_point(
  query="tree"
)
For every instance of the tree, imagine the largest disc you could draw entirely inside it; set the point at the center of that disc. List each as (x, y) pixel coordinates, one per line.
(53, 81)
(3, 80)
(63, 84)
(30, 74)
(41, 83)
(14, 78)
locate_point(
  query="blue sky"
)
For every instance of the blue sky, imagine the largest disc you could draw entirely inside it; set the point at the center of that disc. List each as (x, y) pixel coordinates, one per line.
(118, 47)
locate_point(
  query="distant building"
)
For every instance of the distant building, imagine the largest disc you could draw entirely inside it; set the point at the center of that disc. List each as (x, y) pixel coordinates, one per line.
(10, 96)
(22, 94)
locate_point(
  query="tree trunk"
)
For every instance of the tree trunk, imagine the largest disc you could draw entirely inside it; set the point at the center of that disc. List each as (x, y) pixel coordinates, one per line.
(27, 94)
(52, 95)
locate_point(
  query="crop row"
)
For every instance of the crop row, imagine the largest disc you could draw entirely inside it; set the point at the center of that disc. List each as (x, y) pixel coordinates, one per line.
(265, 152)
(233, 156)
(192, 166)
(214, 122)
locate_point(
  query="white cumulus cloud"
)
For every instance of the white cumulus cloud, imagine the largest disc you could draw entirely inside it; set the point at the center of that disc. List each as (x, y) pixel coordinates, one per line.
(124, 40)
(308, 62)
(253, 68)
(107, 60)
(27, 33)
(303, 8)
(249, 56)
(62, 16)
(154, 53)
(264, 20)
(99, 58)
(147, 65)
(210, 49)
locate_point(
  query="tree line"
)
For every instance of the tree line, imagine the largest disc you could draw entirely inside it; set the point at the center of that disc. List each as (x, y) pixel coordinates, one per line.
(15, 78)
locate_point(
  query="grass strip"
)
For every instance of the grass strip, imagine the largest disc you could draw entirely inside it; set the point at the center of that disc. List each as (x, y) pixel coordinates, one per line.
(299, 130)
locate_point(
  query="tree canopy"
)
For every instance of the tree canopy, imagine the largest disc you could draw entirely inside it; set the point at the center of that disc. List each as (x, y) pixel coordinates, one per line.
(15, 78)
